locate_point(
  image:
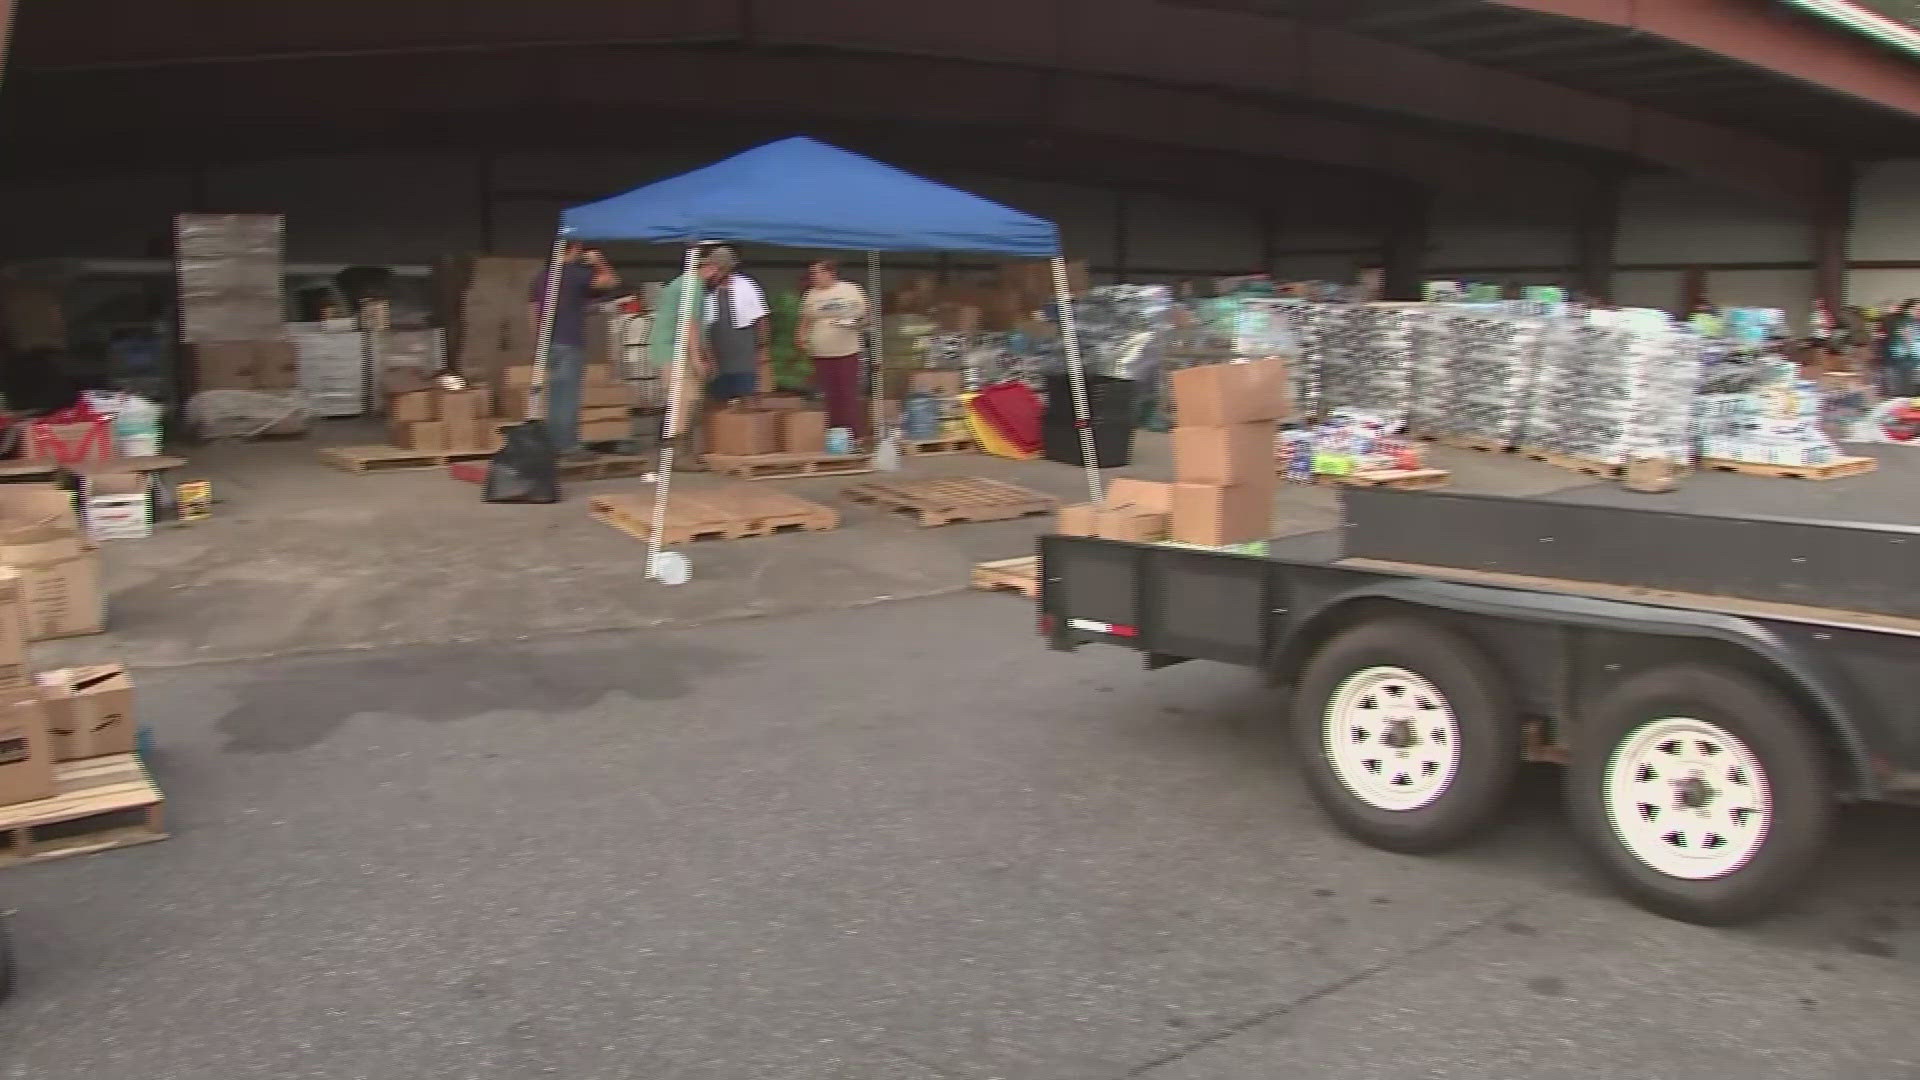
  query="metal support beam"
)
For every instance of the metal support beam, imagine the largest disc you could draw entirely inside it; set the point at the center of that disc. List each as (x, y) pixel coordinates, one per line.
(6, 35)
(1405, 265)
(1121, 204)
(1598, 236)
(1832, 235)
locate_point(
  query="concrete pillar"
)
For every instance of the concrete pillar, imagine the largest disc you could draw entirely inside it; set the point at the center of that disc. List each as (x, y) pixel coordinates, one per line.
(1404, 267)
(1832, 235)
(1598, 236)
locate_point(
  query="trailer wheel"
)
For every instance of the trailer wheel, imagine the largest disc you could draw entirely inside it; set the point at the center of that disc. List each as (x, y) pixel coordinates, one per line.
(1407, 735)
(1701, 793)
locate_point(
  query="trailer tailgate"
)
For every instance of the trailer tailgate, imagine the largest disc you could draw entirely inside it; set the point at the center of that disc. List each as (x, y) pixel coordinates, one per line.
(1202, 605)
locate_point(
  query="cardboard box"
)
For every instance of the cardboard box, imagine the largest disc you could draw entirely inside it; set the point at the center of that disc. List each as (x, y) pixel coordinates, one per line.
(515, 402)
(784, 403)
(41, 537)
(415, 407)
(1132, 523)
(1238, 454)
(1075, 520)
(1214, 515)
(402, 380)
(26, 750)
(1146, 494)
(118, 506)
(461, 412)
(606, 396)
(70, 444)
(936, 383)
(601, 375)
(605, 431)
(1220, 395)
(803, 432)
(89, 710)
(223, 365)
(276, 365)
(743, 433)
(426, 436)
(13, 631)
(520, 376)
(603, 415)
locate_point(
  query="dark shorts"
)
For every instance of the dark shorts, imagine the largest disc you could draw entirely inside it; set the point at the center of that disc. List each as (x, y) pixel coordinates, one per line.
(732, 385)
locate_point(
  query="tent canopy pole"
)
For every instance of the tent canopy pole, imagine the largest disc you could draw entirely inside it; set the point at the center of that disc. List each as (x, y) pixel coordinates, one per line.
(1076, 377)
(543, 348)
(672, 427)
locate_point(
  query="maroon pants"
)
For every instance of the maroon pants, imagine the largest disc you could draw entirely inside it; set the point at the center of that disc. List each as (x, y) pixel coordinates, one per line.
(838, 380)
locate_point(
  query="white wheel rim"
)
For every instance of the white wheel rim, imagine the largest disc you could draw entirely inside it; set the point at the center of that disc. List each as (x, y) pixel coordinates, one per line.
(1391, 738)
(1688, 799)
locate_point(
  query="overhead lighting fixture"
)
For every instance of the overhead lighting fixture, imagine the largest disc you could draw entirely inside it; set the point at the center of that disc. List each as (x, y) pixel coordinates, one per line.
(1872, 24)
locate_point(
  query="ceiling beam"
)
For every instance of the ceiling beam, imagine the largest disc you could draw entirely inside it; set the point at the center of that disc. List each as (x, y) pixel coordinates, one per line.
(1762, 35)
(1140, 40)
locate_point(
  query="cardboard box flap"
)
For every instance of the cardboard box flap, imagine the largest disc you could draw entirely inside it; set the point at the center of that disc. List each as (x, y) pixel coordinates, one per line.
(44, 547)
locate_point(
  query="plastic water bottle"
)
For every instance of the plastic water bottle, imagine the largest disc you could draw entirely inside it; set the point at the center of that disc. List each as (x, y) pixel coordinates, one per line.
(839, 441)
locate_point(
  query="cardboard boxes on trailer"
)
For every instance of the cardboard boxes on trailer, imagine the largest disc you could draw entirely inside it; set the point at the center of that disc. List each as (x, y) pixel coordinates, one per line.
(1225, 417)
(1135, 510)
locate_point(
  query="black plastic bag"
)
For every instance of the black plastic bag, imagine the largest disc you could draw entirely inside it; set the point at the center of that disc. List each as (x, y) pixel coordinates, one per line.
(526, 470)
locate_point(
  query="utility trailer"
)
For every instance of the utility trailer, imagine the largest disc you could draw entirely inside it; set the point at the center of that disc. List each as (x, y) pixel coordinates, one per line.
(1714, 685)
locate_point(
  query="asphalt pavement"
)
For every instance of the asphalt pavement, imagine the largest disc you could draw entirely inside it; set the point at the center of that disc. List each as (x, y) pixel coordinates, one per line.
(901, 841)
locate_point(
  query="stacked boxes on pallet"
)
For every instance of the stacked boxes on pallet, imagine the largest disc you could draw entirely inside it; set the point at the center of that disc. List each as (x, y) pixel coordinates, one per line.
(1620, 387)
(430, 418)
(760, 432)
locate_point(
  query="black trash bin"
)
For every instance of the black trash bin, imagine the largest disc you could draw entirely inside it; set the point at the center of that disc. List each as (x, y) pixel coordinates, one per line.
(1110, 405)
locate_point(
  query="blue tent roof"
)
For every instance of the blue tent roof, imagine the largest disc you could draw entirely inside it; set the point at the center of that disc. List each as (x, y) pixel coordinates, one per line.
(801, 193)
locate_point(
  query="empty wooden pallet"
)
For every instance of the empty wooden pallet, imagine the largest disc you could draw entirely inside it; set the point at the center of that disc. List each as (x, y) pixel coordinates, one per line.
(965, 444)
(1401, 479)
(733, 512)
(947, 502)
(1833, 470)
(366, 459)
(98, 804)
(1009, 575)
(786, 466)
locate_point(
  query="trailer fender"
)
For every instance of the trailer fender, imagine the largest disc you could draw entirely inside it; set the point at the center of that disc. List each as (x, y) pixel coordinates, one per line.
(1301, 635)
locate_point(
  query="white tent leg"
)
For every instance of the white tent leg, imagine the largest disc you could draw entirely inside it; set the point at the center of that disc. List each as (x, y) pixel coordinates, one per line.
(875, 339)
(671, 431)
(544, 341)
(1076, 377)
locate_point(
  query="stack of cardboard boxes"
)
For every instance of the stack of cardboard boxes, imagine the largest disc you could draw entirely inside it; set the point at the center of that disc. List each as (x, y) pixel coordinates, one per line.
(483, 301)
(427, 417)
(786, 426)
(1225, 481)
(64, 715)
(49, 588)
(606, 401)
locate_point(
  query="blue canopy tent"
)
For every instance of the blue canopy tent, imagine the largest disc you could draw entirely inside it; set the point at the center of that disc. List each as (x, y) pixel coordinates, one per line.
(798, 192)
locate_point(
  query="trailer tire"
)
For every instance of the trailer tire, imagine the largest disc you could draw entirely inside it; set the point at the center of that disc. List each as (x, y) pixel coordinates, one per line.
(1407, 682)
(1701, 793)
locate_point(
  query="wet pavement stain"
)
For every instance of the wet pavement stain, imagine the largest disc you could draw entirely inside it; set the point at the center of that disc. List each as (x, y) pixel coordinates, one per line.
(296, 704)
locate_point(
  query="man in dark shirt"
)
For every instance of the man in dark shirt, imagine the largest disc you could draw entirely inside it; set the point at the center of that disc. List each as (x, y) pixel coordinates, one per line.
(584, 277)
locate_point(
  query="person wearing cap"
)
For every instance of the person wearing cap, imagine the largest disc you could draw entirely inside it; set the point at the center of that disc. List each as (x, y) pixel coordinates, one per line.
(585, 276)
(737, 329)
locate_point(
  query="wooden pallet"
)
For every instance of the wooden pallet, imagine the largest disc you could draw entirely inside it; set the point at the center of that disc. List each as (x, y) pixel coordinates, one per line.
(786, 466)
(1597, 469)
(367, 459)
(732, 512)
(1009, 575)
(606, 467)
(1400, 479)
(99, 803)
(1844, 467)
(947, 502)
(933, 447)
